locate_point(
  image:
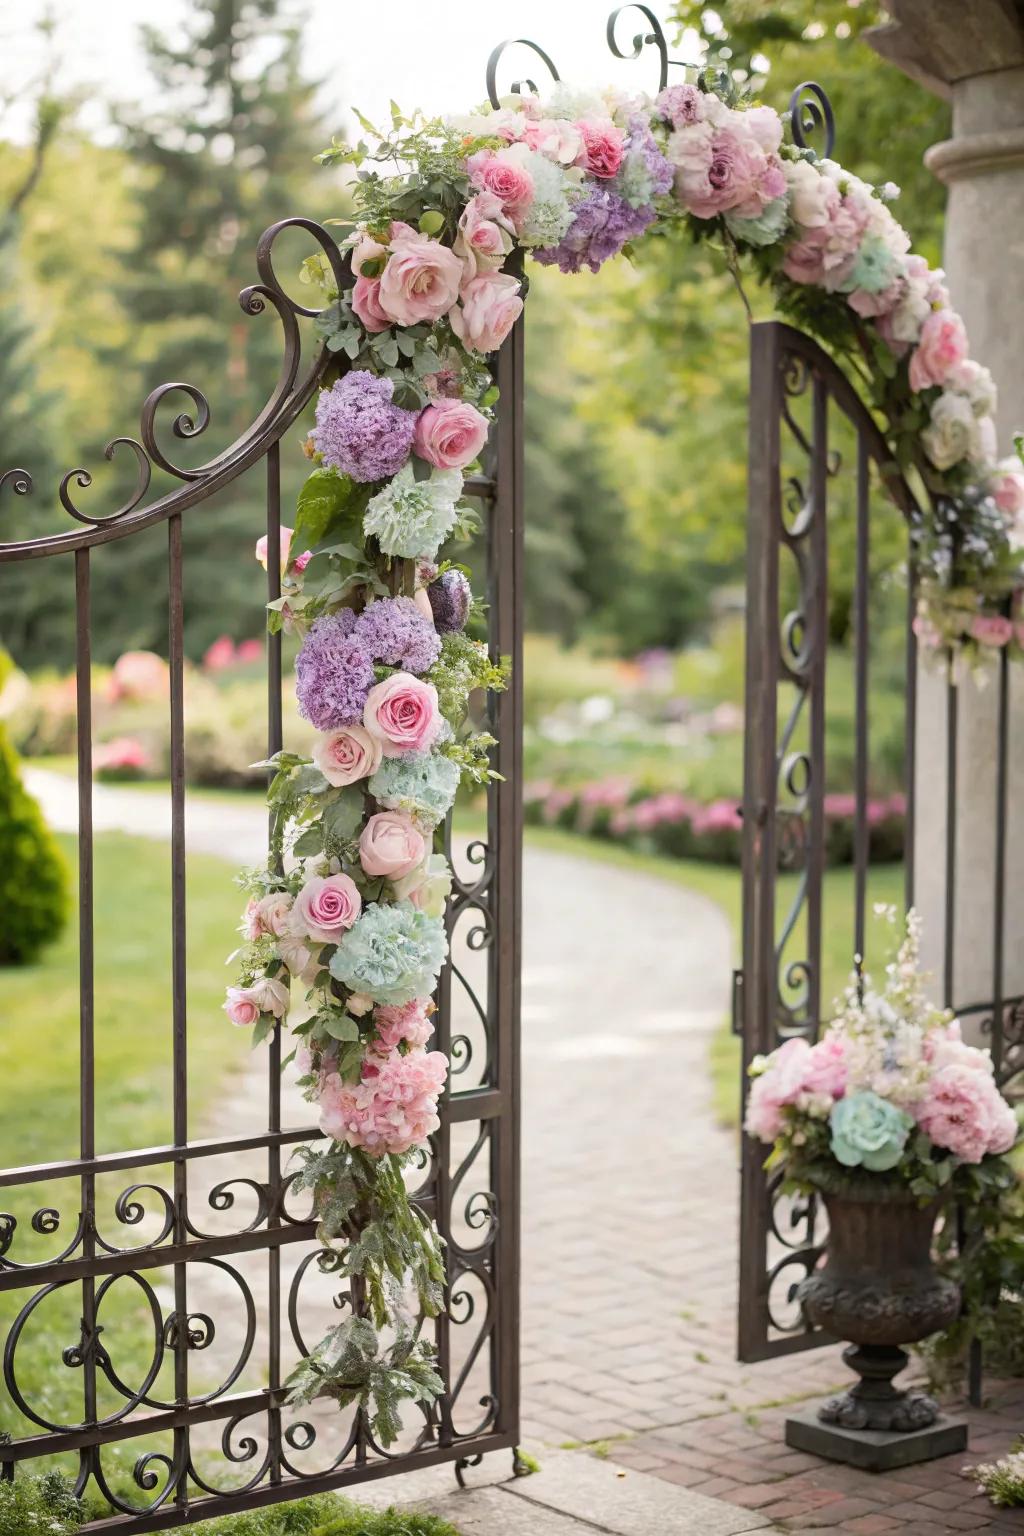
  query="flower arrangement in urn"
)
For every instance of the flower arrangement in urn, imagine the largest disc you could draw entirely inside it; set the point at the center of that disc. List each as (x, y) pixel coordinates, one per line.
(890, 1116)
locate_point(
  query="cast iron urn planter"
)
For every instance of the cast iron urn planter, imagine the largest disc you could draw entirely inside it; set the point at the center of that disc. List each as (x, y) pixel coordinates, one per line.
(878, 1289)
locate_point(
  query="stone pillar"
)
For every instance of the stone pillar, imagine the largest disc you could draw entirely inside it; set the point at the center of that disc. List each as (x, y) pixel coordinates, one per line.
(972, 53)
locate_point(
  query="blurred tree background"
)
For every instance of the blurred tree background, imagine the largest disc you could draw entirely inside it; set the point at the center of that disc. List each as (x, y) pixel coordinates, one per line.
(120, 263)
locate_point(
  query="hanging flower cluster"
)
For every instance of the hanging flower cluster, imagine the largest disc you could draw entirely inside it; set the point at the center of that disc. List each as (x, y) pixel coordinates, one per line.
(890, 1088)
(344, 934)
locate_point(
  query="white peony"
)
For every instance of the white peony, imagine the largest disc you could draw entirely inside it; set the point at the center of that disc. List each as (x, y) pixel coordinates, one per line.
(955, 433)
(812, 196)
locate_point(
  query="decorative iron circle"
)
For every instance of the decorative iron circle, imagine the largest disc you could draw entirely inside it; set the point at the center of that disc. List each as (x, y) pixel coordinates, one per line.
(517, 85)
(809, 111)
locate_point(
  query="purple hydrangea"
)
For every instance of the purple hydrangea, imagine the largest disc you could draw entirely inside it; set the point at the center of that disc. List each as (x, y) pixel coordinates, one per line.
(604, 223)
(451, 598)
(395, 632)
(333, 672)
(681, 105)
(645, 173)
(359, 431)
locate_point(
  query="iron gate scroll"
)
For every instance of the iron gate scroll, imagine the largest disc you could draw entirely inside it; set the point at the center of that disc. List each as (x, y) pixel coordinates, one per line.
(204, 1446)
(779, 986)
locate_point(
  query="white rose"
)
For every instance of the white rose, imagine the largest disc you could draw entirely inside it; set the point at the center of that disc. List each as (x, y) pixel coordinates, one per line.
(270, 995)
(955, 433)
(428, 886)
(273, 912)
(813, 196)
(977, 384)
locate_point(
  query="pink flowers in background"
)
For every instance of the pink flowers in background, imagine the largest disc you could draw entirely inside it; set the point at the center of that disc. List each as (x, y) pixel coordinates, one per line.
(224, 655)
(138, 676)
(124, 757)
(401, 713)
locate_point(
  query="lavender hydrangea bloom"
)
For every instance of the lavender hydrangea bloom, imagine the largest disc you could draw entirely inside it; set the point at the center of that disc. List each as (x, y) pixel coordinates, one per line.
(395, 632)
(358, 430)
(333, 672)
(451, 598)
(645, 173)
(604, 223)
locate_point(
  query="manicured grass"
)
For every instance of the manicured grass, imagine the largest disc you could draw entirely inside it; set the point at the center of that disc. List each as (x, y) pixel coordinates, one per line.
(39, 1072)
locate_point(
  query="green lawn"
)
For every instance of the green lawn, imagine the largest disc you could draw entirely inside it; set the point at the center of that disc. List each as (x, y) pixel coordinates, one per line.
(39, 1072)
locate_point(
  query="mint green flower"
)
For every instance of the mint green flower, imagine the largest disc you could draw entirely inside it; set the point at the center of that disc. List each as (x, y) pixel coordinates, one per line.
(868, 1132)
(875, 269)
(411, 517)
(765, 228)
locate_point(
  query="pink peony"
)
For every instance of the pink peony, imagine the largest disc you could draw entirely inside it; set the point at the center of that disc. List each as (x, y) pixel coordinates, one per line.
(602, 149)
(391, 844)
(484, 238)
(490, 306)
(682, 105)
(366, 305)
(392, 1109)
(325, 907)
(727, 171)
(409, 1023)
(964, 1112)
(421, 280)
(942, 346)
(991, 629)
(347, 755)
(402, 714)
(795, 1074)
(450, 434)
(502, 173)
(825, 254)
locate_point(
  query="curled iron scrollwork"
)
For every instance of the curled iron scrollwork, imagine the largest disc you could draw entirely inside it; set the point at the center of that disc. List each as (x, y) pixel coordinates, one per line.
(517, 85)
(810, 112)
(654, 35)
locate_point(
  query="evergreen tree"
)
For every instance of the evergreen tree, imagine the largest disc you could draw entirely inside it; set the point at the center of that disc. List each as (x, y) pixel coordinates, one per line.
(227, 152)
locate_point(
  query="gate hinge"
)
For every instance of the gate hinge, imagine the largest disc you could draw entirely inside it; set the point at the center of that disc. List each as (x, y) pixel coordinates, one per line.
(737, 1002)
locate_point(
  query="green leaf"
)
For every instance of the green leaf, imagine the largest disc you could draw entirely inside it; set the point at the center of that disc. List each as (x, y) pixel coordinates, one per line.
(322, 499)
(350, 1061)
(343, 816)
(340, 1026)
(310, 843)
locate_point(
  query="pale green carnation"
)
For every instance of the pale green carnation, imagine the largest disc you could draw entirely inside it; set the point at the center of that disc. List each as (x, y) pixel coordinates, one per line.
(391, 953)
(868, 1132)
(767, 228)
(422, 783)
(875, 269)
(410, 518)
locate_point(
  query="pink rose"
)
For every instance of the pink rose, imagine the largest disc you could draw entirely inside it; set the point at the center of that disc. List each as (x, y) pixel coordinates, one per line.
(991, 629)
(346, 755)
(826, 254)
(325, 907)
(391, 844)
(244, 1005)
(1007, 487)
(502, 173)
(366, 304)
(554, 138)
(484, 238)
(421, 280)
(450, 435)
(366, 252)
(402, 714)
(489, 309)
(942, 346)
(273, 912)
(298, 564)
(602, 149)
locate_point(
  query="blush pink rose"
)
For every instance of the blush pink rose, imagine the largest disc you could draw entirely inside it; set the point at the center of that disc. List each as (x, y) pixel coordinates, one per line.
(325, 907)
(402, 714)
(490, 307)
(421, 280)
(391, 844)
(1007, 488)
(450, 434)
(244, 1005)
(942, 346)
(366, 304)
(347, 755)
(365, 252)
(602, 149)
(241, 1008)
(502, 173)
(484, 238)
(728, 172)
(991, 629)
(826, 254)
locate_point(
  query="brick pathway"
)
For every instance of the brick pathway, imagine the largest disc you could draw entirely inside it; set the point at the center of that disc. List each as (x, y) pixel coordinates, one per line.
(630, 1211)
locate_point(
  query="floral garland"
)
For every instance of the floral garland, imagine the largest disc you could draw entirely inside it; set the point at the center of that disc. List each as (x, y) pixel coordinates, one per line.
(348, 913)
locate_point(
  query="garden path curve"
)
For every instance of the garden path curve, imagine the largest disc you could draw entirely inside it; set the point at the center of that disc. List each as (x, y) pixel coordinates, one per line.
(629, 1184)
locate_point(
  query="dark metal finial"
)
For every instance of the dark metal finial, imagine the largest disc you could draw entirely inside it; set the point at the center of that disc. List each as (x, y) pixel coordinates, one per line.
(640, 40)
(808, 114)
(517, 85)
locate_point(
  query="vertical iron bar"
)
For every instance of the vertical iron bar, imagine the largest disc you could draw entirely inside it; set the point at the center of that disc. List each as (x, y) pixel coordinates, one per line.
(949, 937)
(999, 896)
(442, 1150)
(760, 791)
(505, 833)
(861, 594)
(179, 1012)
(910, 735)
(817, 617)
(275, 741)
(86, 990)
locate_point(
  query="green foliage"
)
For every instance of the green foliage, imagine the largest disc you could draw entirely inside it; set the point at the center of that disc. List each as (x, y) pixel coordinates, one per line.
(1002, 1480)
(327, 1515)
(39, 1506)
(33, 876)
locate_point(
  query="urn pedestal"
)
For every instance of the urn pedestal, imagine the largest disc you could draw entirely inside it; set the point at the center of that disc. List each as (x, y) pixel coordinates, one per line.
(878, 1289)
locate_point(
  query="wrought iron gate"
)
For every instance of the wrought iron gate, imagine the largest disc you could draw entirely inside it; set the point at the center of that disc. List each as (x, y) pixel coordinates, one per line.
(799, 401)
(205, 1443)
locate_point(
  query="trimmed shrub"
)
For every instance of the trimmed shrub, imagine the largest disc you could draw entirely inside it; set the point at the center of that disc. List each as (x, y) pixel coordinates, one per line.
(33, 875)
